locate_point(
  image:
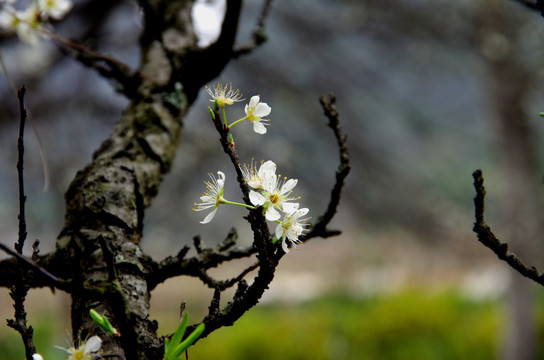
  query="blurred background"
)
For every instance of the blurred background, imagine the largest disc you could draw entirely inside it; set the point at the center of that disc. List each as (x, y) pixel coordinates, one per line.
(428, 92)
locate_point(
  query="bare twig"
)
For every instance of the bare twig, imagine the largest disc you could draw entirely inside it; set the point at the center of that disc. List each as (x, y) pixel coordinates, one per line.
(258, 36)
(20, 288)
(20, 154)
(105, 65)
(486, 236)
(52, 279)
(319, 229)
(229, 148)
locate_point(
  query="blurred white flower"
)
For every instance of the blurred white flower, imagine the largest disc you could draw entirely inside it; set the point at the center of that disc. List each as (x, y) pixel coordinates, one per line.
(25, 23)
(291, 227)
(55, 9)
(37, 357)
(207, 17)
(212, 196)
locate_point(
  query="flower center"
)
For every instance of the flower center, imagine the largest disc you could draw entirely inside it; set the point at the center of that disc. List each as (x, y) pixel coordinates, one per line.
(274, 199)
(79, 355)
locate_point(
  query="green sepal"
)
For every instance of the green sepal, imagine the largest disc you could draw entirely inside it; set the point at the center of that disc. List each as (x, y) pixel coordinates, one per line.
(212, 114)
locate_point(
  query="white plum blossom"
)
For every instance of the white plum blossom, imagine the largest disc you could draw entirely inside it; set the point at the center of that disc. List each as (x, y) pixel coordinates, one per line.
(291, 227)
(37, 356)
(255, 110)
(55, 9)
(224, 95)
(212, 197)
(26, 23)
(253, 177)
(274, 196)
(88, 350)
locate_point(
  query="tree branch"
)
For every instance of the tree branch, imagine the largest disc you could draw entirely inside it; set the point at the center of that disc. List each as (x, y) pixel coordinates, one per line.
(486, 236)
(319, 229)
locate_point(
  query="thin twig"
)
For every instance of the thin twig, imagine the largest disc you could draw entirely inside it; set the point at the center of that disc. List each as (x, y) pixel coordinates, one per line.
(106, 66)
(20, 167)
(20, 288)
(258, 37)
(486, 236)
(53, 280)
(229, 148)
(319, 229)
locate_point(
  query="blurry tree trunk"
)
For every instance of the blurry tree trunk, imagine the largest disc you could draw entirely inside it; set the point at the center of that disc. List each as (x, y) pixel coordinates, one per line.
(509, 85)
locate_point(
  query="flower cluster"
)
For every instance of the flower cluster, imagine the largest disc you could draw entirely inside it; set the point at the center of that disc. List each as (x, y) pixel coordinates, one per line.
(268, 190)
(28, 23)
(274, 194)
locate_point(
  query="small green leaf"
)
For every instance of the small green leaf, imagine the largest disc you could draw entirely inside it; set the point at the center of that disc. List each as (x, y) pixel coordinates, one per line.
(176, 338)
(189, 340)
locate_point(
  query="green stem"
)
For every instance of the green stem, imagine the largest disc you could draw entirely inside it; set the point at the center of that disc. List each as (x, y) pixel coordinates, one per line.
(224, 115)
(237, 121)
(224, 201)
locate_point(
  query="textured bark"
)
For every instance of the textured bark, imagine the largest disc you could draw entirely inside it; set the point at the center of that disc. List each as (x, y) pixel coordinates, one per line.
(100, 241)
(105, 203)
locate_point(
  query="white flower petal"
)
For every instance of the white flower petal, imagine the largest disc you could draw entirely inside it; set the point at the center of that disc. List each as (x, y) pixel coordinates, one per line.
(272, 214)
(37, 357)
(254, 101)
(262, 109)
(289, 208)
(92, 345)
(221, 180)
(279, 231)
(209, 217)
(259, 128)
(288, 186)
(256, 198)
(269, 181)
(267, 166)
(284, 246)
(300, 213)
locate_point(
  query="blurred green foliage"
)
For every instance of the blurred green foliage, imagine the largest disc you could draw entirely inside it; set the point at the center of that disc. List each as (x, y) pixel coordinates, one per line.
(411, 324)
